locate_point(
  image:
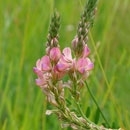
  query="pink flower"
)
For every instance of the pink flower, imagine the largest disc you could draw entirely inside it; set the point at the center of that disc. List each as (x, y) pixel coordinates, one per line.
(46, 63)
(83, 65)
(40, 82)
(43, 79)
(66, 61)
(86, 51)
(55, 54)
(57, 74)
(67, 57)
(38, 72)
(42, 70)
(48, 72)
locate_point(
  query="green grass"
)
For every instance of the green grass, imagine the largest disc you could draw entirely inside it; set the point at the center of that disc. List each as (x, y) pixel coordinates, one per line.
(23, 30)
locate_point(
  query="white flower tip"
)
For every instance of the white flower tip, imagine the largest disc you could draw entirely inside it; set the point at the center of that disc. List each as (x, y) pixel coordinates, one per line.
(48, 112)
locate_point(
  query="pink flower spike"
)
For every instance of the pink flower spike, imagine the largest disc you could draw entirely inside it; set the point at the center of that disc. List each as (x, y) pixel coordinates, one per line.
(55, 54)
(86, 51)
(45, 63)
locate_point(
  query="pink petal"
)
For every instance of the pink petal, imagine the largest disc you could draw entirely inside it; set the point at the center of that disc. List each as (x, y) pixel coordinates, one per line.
(55, 54)
(86, 51)
(45, 63)
(58, 74)
(38, 64)
(90, 64)
(38, 72)
(40, 82)
(84, 65)
(62, 66)
(67, 54)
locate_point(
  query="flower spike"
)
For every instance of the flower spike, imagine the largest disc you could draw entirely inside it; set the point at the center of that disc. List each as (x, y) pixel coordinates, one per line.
(58, 70)
(85, 23)
(52, 39)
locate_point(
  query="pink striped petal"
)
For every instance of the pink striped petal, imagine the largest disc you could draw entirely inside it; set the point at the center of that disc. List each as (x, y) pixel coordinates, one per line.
(86, 51)
(38, 72)
(40, 82)
(62, 66)
(55, 54)
(67, 54)
(83, 65)
(45, 63)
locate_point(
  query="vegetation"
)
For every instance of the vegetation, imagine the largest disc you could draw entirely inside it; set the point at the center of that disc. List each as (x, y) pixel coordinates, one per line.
(23, 31)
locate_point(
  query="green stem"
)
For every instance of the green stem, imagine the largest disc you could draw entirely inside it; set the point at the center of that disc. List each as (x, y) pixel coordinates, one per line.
(96, 104)
(83, 115)
(99, 61)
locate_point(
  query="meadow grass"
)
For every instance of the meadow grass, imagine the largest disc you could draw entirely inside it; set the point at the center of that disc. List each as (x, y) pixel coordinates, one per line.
(23, 30)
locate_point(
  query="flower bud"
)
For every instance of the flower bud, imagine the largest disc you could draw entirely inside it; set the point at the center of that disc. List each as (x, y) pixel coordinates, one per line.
(75, 43)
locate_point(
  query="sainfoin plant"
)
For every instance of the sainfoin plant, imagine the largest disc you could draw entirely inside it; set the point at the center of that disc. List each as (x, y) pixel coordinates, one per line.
(72, 64)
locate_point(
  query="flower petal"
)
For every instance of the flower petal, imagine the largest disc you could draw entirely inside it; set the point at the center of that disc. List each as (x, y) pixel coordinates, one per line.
(67, 54)
(40, 82)
(45, 63)
(55, 54)
(62, 66)
(84, 64)
(38, 72)
(86, 51)
(38, 64)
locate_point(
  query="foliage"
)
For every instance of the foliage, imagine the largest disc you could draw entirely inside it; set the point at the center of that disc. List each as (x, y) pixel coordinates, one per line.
(23, 29)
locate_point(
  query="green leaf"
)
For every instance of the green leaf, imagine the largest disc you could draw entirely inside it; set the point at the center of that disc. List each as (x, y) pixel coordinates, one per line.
(68, 102)
(97, 116)
(115, 125)
(88, 111)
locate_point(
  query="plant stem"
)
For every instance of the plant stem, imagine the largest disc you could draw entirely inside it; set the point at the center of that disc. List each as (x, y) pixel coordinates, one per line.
(96, 104)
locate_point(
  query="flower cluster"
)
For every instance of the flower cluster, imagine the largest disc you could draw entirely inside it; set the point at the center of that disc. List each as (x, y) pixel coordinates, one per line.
(52, 67)
(69, 64)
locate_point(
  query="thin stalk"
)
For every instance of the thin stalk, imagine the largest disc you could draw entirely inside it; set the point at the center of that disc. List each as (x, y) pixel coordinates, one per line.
(91, 94)
(83, 115)
(99, 61)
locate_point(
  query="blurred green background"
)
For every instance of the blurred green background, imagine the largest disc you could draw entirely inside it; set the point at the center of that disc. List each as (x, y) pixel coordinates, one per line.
(23, 30)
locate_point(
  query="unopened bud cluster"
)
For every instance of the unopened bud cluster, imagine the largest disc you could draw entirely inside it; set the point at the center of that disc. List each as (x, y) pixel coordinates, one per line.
(85, 23)
(52, 39)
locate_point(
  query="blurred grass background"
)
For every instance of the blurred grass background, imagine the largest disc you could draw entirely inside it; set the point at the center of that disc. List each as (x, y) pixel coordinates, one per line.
(23, 30)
